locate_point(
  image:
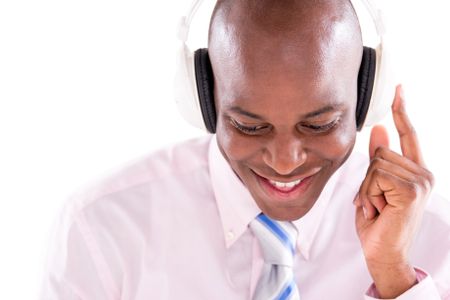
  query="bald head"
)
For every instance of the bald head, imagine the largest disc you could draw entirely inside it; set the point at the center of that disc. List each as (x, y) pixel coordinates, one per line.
(285, 16)
(294, 19)
(253, 34)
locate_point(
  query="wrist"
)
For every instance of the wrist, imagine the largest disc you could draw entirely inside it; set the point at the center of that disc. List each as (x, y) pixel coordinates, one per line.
(392, 280)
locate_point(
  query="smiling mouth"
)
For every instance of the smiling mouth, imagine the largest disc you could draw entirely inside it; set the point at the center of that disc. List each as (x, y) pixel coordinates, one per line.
(285, 190)
(284, 186)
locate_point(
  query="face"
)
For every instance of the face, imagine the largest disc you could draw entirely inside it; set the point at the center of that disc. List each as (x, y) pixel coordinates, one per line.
(285, 123)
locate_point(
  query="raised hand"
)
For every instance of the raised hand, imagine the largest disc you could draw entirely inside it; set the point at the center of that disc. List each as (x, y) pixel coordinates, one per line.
(390, 204)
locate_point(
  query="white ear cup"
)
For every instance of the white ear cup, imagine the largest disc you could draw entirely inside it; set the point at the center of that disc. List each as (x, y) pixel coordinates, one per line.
(384, 81)
(186, 95)
(185, 86)
(384, 86)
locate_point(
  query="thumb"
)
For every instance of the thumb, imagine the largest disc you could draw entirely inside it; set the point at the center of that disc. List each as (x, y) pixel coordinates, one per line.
(378, 137)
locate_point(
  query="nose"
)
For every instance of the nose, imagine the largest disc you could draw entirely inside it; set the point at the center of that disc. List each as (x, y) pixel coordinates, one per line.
(284, 154)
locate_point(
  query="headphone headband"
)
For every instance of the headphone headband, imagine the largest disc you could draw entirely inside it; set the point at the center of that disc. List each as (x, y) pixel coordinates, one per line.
(184, 23)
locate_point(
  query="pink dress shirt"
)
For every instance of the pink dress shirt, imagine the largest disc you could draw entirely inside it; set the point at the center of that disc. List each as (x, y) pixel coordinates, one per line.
(174, 225)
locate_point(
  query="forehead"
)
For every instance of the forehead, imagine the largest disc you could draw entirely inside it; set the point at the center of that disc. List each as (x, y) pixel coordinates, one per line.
(291, 78)
(312, 55)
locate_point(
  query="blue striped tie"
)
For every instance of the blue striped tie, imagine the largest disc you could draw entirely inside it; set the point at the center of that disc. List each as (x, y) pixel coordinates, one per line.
(277, 240)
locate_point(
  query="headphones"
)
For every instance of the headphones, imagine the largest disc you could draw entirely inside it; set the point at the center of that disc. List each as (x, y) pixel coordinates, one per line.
(194, 81)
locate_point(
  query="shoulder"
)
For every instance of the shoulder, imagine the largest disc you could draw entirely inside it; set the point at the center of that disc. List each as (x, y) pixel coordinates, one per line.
(104, 223)
(166, 164)
(135, 202)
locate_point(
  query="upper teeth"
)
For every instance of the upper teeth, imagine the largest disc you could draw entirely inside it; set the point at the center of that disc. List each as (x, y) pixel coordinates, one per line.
(285, 184)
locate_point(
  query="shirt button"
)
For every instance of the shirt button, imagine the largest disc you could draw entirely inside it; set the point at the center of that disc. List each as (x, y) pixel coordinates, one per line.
(230, 235)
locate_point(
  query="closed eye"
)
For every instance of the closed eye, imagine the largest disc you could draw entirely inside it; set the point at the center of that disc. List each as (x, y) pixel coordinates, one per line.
(250, 130)
(321, 128)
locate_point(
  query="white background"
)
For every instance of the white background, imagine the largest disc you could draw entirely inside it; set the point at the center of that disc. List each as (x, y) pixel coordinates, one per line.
(86, 86)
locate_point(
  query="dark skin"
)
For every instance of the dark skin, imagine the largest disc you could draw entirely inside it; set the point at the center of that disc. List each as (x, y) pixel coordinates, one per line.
(282, 88)
(285, 89)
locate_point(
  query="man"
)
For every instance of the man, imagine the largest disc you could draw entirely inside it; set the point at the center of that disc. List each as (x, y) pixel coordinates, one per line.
(180, 224)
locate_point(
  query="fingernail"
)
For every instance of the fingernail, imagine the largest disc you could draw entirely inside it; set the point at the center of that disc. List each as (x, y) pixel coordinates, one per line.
(399, 103)
(365, 212)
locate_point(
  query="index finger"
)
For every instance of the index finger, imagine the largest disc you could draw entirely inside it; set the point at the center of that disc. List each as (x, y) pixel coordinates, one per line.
(409, 141)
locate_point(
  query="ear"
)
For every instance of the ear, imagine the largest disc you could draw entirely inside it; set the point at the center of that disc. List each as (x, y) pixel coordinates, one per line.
(378, 138)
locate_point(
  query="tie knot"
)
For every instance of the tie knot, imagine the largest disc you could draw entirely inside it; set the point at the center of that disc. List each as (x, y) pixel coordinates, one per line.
(276, 238)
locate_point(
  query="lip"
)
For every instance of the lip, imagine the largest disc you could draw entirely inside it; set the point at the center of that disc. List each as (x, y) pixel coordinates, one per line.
(281, 195)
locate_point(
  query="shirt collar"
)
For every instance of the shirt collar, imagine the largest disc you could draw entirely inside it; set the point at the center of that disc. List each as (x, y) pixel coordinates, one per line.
(235, 203)
(237, 207)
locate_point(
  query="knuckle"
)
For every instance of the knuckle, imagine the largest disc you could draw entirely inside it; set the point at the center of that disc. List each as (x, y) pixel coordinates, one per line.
(412, 131)
(376, 163)
(431, 180)
(381, 151)
(409, 130)
(422, 182)
(378, 151)
(378, 172)
(414, 190)
(427, 180)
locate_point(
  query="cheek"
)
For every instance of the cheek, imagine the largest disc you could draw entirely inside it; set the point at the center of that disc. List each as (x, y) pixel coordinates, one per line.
(341, 140)
(235, 146)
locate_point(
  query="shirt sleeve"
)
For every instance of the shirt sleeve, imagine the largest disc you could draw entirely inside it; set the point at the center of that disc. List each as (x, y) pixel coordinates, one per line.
(73, 270)
(424, 289)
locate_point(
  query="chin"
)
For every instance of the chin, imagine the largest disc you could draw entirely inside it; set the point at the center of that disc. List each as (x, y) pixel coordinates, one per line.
(285, 212)
(291, 214)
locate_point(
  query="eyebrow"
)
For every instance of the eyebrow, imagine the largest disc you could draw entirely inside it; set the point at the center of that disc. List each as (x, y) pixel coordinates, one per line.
(239, 110)
(320, 111)
(309, 115)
